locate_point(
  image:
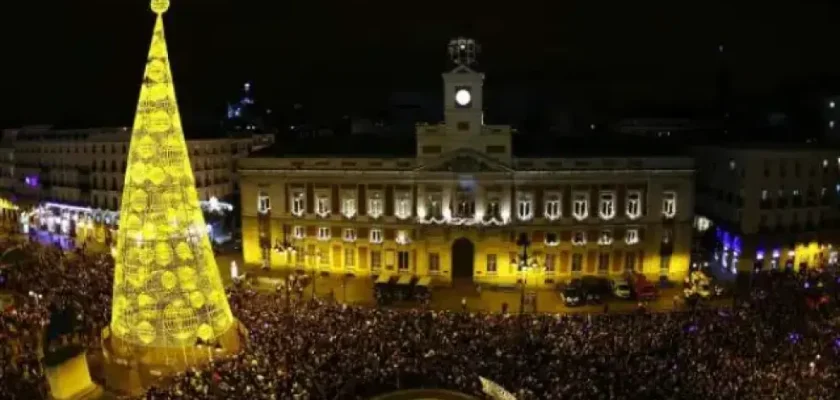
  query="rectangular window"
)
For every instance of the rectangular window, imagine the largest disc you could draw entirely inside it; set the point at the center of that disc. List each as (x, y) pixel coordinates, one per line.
(580, 206)
(375, 260)
(349, 235)
(402, 261)
(550, 263)
(389, 260)
(631, 236)
(603, 263)
(322, 205)
(263, 203)
(348, 207)
(434, 263)
(578, 238)
(299, 232)
(299, 256)
(324, 256)
(375, 206)
(350, 257)
(606, 205)
(492, 209)
(669, 204)
(324, 233)
(298, 204)
(577, 263)
(402, 206)
(634, 204)
(552, 207)
(630, 262)
(525, 208)
(463, 126)
(376, 236)
(664, 265)
(466, 207)
(492, 268)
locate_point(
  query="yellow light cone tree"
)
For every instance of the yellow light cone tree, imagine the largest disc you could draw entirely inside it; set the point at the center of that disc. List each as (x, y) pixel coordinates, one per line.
(168, 292)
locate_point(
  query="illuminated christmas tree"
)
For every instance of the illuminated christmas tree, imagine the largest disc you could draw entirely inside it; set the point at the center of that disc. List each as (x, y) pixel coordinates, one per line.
(168, 293)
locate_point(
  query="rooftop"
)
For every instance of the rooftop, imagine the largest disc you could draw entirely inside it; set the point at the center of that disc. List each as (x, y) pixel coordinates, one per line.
(405, 146)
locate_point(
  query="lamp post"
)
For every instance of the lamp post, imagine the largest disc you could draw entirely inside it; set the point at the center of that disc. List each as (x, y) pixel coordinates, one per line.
(523, 241)
(314, 263)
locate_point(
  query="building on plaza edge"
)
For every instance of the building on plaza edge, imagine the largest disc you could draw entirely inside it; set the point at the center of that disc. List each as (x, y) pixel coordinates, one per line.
(70, 181)
(769, 206)
(452, 202)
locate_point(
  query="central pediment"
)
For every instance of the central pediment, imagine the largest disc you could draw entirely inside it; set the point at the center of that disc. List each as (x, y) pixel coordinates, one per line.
(464, 161)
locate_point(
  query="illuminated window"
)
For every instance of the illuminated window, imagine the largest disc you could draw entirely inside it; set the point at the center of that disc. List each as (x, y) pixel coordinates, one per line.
(375, 205)
(348, 207)
(605, 238)
(492, 266)
(634, 204)
(492, 209)
(579, 238)
(606, 205)
(350, 257)
(324, 233)
(298, 203)
(403, 238)
(580, 206)
(525, 207)
(434, 263)
(263, 202)
(375, 236)
(466, 206)
(322, 205)
(552, 239)
(631, 236)
(299, 232)
(552, 207)
(349, 235)
(669, 204)
(402, 206)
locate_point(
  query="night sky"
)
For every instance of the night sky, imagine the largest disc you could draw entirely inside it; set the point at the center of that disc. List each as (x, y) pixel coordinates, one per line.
(83, 60)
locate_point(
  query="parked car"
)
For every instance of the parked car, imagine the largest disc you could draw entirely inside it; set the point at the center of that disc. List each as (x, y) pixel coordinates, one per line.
(595, 289)
(620, 288)
(573, 294)
(642, 288)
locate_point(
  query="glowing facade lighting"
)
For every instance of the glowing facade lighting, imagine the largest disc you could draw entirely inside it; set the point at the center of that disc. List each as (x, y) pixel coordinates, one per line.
(167, 288)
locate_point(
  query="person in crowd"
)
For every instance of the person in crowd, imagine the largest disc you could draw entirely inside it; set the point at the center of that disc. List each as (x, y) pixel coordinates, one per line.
(766, 349)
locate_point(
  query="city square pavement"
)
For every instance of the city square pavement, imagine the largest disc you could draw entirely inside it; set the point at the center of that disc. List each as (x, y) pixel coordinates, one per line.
(359, 290)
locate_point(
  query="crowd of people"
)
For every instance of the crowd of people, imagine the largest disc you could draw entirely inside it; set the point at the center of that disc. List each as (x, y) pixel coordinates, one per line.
(769, 349)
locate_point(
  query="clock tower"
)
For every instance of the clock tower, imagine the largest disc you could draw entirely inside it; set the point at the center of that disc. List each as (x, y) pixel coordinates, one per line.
(463, 127)
(462, 90)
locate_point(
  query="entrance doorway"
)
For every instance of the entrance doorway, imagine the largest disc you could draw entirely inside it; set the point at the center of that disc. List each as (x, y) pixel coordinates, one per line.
(463, 255)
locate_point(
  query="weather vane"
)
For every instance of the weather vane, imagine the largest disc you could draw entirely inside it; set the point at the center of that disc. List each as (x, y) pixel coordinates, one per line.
(160, 6)
(463, 51)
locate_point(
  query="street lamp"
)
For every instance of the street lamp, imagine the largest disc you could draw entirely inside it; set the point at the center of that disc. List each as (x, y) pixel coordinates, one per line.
(523, 241)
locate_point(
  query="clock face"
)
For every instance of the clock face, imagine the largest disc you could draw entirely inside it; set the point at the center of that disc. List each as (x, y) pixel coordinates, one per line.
(463, 97)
